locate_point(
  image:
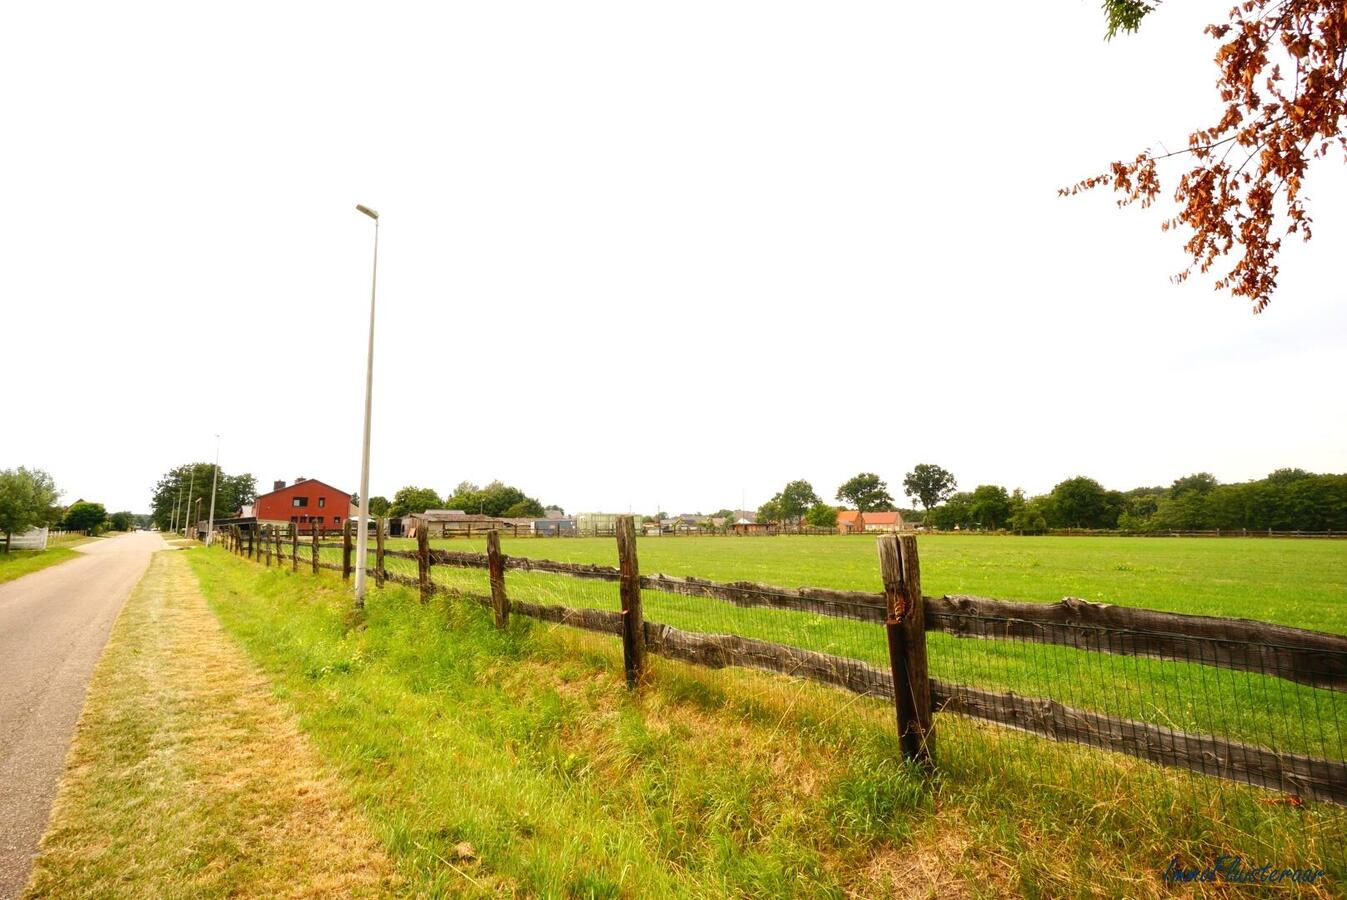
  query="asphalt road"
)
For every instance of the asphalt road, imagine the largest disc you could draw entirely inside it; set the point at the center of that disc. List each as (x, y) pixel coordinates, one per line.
(53, 626)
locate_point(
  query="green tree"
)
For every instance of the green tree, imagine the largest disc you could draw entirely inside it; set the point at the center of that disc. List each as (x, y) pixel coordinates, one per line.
(232, 492)
(821, 515)
(496, 499)
(770, 511)
(410, 500)
(524, 509)
(989, 506)
(379, 506)
(929, 484)
(27, 500)
(954, 512)
(794, 501)
(84, 516)
(1032, 516)
(867, 492)
(1081, 502)
(120, 521)
(1201, 483)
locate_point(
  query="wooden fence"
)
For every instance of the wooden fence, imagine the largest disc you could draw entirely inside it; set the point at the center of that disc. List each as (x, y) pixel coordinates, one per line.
(1315, 660)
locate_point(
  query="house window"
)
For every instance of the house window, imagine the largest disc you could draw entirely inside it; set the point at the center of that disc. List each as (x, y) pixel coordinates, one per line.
(318, 519)
(294, 518)
(336, 520)
(300, 501)
(322, 501)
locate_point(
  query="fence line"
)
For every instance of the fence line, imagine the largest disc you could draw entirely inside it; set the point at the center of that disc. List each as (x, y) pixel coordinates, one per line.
(1298, 673)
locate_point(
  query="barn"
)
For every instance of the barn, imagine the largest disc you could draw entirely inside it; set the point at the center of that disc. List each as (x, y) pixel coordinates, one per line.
(305, 503)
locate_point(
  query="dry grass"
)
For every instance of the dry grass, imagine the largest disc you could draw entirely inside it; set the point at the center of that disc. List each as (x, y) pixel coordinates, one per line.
(187, 778)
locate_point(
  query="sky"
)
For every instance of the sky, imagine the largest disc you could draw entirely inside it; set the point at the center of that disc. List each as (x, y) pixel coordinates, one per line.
(631, 255)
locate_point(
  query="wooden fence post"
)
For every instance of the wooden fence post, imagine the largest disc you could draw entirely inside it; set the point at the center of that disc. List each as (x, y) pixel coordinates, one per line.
(266, 544)
(633, 623)
(346, 551)
(379, 551)
(280, 547)
(314, 538)
(906, 627)
(251, 532)
(496, 567)
(294, 546)
(423, 561)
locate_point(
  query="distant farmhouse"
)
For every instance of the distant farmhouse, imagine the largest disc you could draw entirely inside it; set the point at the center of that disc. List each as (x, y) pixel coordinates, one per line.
(306, 503)
(850, 521)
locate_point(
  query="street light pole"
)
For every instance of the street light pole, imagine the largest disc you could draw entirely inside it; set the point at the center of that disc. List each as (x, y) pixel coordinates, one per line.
(187, 510)
(214, 480)
(362, 529)
(177, 502)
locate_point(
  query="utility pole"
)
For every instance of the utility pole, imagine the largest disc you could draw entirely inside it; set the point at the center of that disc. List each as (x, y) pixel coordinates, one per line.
(173, 515)
(362, 533)
(191, 485)
(214, 480)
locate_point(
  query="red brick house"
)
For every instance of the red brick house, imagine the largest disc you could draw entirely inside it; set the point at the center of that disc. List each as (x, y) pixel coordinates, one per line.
(307, 501)
(850, 521)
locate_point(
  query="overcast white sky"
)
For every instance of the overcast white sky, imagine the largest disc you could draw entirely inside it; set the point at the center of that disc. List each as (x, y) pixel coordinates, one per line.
(632, 254)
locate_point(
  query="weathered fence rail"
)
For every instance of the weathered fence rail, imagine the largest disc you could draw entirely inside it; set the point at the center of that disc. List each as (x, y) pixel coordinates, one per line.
(1311, 659)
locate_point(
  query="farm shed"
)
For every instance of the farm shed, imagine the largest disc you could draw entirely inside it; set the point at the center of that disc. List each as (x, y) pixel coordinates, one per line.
(743, 526)
(450, 522)
(550, 527)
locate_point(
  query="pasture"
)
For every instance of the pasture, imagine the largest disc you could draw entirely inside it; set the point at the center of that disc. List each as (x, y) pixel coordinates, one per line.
(1291, 582)
(1300, 583)
(526, 744)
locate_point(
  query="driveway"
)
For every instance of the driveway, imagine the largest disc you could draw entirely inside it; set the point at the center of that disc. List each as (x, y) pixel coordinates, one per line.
(53, 625)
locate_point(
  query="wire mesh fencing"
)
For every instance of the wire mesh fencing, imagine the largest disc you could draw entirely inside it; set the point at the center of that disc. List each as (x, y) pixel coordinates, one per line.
(1246, 716)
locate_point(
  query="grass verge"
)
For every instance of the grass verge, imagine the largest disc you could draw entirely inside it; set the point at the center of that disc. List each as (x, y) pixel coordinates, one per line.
(187, 779)
(17, 563)
(525, 748)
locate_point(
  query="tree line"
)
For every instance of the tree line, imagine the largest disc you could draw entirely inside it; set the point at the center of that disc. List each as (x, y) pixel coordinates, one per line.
(496, 499)
(183, 487)
(1285, 500)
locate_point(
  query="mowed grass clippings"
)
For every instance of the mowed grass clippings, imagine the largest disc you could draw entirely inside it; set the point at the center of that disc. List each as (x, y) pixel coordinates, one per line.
(17, 563)
(186, 778)
(525, 748)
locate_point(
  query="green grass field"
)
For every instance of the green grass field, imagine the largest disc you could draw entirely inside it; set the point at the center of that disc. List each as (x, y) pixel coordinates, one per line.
(17, 563)
(1300, 583)
(526, 745)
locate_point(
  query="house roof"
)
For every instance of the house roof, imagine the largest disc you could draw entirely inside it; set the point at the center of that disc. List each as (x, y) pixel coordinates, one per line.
(451, 515)
(305, 483)
(884, 518)
(847, 515)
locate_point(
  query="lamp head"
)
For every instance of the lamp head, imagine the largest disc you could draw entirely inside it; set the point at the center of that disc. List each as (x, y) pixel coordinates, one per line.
(367, 211)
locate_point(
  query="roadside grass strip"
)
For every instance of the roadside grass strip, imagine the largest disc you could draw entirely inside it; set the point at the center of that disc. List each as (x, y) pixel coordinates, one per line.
(17, 563)
(187, 778)
(516, 762)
